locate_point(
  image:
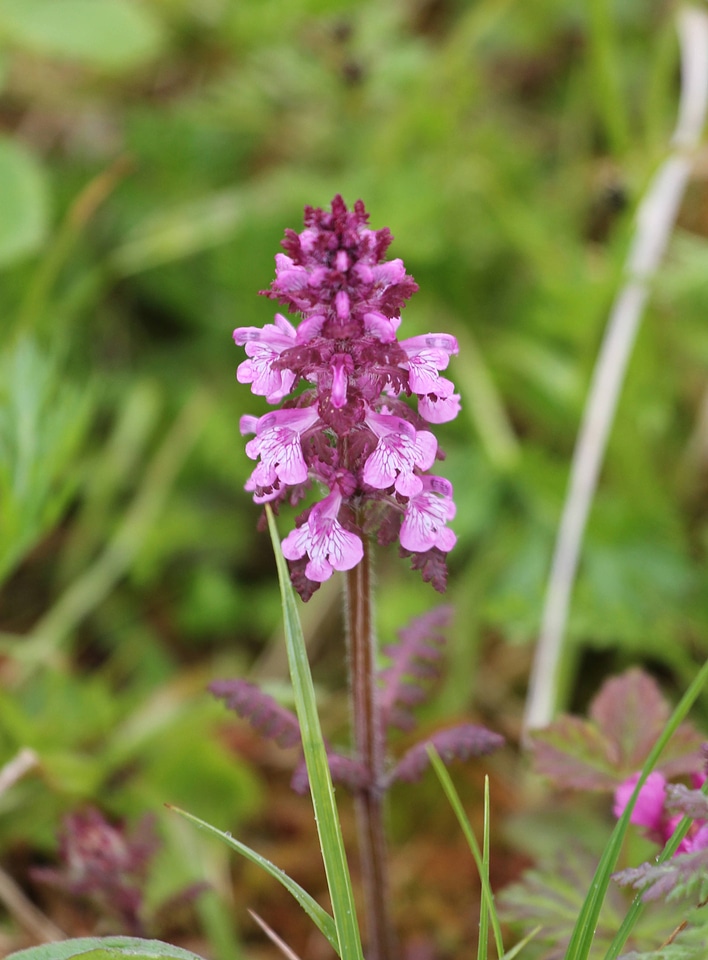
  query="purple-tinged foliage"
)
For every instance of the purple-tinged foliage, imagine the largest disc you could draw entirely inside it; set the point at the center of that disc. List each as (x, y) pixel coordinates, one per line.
(456, 743)
(414, 661)
(106, 865)
(625, 720)
(689, 803)
(343, 379)
(345, 772)
(404, 683)
(682, 876)
(262, 711)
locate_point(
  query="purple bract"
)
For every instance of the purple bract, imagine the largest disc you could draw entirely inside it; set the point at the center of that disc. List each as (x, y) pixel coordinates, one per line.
(343, 379)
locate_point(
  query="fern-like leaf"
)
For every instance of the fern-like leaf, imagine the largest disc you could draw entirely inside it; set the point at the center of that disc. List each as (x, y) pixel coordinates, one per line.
(456, 743)
(414, 663)
(262, 711)
(685, 875)
(345, 772)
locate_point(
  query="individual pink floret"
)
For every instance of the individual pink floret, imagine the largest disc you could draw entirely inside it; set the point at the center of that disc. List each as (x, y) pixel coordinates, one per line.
(439, 409)
(264, 346)
(277, 443)
(426, 515)
(399, 451)
(324, 540)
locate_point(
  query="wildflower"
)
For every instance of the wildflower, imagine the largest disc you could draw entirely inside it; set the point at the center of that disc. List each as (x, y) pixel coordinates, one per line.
(650, 812)
(345, 383)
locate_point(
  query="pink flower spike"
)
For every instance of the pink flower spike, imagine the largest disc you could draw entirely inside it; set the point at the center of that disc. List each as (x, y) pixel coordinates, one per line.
(397, 453)
(324, 540)
(426, 514)
(648, 811)
(277, 443)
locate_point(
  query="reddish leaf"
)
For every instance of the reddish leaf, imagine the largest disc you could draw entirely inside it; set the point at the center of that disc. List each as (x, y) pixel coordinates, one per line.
(631, 712)
(260, 709)
(574, 753)
(626, 719)
(456, 743)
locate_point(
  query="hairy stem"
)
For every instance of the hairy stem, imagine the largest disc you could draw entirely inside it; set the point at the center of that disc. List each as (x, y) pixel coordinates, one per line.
(369, 747)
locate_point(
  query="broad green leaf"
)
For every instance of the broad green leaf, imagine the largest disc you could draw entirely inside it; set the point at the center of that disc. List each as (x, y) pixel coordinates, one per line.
(323, 801)
(42, 421)
(108, 33)
(319, 915)
(23, 201)
(105, 948)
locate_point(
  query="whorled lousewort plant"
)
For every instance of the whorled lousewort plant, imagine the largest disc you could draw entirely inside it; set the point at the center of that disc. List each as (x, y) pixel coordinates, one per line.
(342, 378)
(348, 428)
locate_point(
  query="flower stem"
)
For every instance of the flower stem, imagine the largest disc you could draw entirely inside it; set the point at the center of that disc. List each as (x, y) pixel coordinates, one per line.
(369, 748)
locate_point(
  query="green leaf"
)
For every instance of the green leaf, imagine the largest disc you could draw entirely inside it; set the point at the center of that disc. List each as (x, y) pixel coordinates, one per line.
(42, 422)
(311, 907)
(23, 201)
(109, 33)
(105, 948)
(326, 816)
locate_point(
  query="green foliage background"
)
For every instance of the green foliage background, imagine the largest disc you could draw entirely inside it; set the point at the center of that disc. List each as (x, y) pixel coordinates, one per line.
(151, 155)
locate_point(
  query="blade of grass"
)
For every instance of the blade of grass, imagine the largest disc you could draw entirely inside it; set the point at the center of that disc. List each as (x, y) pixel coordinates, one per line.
(312, 908)
(321, 789)
(487, 906)
(517, 948)
(584, 932)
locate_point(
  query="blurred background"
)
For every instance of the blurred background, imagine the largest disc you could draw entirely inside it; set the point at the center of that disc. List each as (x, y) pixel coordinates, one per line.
(152, 152)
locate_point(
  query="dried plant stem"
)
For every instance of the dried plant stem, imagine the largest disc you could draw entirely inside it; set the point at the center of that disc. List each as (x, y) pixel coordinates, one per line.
(655, 220)
(369, 747)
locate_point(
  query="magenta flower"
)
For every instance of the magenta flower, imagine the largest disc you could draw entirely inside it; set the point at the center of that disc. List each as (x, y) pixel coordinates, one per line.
(426, 515)
(650, 812)
(346, 384)
(324, 540)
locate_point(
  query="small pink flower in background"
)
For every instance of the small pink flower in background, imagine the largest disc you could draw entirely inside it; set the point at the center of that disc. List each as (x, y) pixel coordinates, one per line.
(350, 390)
(650, 812)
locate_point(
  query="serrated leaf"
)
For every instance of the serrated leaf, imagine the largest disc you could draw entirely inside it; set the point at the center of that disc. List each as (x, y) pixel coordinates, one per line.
(455, 743)
(23, 200)
(573, 753)
(631, 712)
(414, 660)
(262, 711)
(105, 948)
(627, 717)
(108, 34)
